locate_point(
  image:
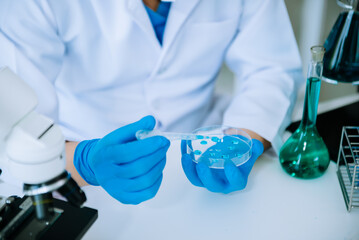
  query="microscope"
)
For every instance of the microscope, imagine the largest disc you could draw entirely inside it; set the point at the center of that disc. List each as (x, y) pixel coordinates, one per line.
(34, 148)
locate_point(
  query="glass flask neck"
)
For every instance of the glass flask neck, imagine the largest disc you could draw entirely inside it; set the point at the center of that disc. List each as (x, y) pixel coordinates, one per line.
(349, 4)
(315, 69)
(312, 91)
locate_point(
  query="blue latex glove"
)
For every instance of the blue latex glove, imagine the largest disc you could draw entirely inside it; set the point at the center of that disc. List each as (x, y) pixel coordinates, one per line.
(128, 169)
(226, 180)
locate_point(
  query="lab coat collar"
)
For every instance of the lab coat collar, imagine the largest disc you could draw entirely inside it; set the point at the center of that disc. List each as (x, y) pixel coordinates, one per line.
(179, 12)
(140, 16)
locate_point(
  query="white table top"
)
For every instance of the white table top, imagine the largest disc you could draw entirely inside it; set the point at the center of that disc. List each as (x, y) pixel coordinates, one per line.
(273, 206)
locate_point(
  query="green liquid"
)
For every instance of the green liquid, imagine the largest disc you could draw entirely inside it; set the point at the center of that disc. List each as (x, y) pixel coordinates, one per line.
(304, 154)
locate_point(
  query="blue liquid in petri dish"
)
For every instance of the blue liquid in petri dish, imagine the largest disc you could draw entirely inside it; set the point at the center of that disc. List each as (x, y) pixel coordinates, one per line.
(216, 151)
(215, 139)
(197, 152)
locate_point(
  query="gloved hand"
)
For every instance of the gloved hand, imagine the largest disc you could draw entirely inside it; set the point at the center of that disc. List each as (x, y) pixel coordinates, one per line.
(226, 180)
(128, 169)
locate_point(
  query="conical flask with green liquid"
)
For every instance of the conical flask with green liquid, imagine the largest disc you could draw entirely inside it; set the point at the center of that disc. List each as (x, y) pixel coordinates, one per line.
(304, 154)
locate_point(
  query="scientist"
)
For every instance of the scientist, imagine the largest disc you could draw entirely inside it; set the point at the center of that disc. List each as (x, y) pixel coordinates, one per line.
(98, 66)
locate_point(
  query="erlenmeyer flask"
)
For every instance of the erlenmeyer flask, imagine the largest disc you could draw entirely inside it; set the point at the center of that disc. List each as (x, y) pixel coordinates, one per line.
(341, 59)
(304, 154)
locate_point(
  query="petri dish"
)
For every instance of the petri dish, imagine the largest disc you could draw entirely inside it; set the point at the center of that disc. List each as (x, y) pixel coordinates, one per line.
(218, 144)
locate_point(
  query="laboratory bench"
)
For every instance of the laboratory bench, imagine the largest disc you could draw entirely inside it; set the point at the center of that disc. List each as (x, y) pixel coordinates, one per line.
(274, 205)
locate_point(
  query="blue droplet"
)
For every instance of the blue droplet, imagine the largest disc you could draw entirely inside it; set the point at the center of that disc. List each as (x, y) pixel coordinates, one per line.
(197, 152)
(215, 139)
(203, 142)
(200, 137)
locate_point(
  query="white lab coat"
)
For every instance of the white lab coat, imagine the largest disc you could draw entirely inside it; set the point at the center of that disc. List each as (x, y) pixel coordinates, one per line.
(97, 65)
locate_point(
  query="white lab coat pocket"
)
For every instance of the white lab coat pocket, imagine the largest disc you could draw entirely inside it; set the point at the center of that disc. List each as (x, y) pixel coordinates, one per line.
(205, 43)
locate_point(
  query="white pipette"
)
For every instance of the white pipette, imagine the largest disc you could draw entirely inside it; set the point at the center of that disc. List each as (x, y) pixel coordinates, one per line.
(142, 134)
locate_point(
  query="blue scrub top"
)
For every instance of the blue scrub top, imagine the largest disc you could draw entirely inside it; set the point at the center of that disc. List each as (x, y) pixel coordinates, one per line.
(159, 18)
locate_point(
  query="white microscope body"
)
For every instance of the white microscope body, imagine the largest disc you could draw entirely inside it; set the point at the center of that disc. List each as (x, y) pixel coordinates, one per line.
(34, 147)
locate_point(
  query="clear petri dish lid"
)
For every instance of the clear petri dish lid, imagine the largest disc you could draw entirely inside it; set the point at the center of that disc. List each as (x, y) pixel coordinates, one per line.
(220, 144)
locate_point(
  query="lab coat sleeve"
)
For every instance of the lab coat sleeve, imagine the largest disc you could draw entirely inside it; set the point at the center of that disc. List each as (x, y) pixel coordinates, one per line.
(31, 47)
(266, 62)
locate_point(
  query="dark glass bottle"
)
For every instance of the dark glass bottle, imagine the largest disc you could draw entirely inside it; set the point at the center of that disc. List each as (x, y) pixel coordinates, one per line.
(341, 59)
(304, 154)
